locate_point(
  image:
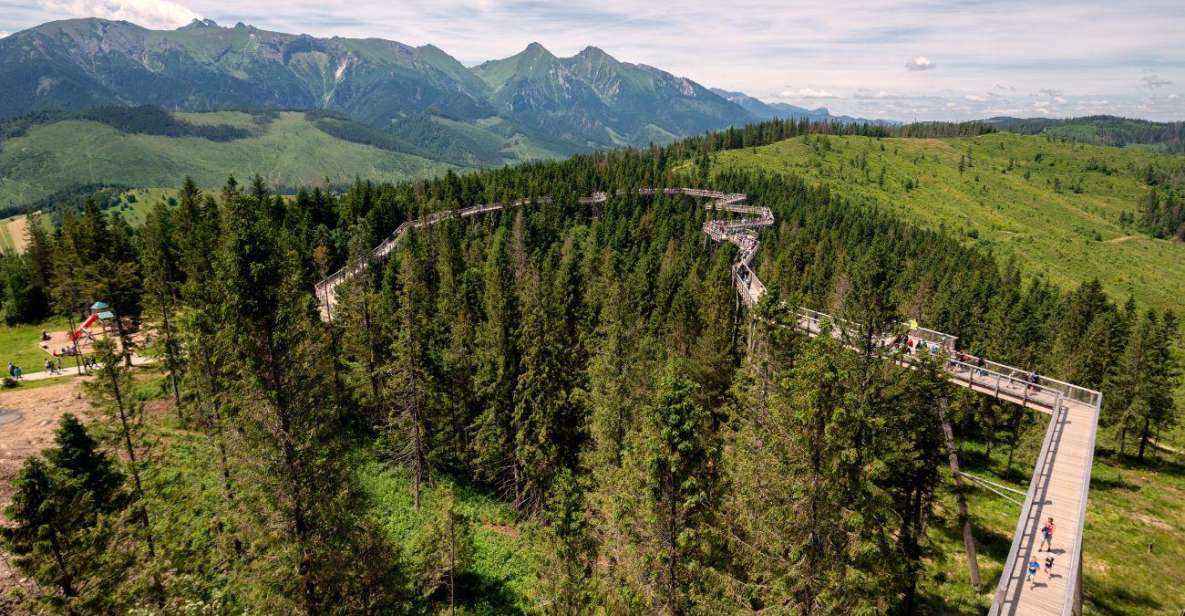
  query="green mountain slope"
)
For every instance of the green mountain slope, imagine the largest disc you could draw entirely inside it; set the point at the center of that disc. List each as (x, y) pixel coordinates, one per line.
(1053, 206)
(1103, 130)
(579, 103)
(77, 64)
(289, 151)
(594, 98)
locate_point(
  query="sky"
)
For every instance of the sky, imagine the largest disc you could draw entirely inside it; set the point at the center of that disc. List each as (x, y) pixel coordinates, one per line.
(899, 59)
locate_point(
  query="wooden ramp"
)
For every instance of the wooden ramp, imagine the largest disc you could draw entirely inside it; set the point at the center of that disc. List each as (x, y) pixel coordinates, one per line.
(1058, 489)
(1061, 476)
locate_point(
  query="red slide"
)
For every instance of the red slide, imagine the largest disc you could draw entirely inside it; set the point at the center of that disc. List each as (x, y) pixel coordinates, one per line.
(85, 325)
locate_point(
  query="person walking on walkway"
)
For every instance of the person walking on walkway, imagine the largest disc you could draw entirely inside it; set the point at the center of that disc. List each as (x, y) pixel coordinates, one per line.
(1047, 536)
(1049, 567)
(1033, 567)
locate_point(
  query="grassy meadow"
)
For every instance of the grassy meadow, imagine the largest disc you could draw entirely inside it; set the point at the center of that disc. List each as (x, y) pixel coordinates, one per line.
(290, 151)
(1051, 205)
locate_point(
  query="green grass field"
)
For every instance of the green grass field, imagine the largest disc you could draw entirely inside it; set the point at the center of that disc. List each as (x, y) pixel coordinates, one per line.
(1031, 198)
(505, 553)
(134, 206)
(20, 344)
(288, 152)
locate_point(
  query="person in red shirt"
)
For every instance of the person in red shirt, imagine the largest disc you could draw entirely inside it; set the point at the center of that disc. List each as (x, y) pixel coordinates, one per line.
(1047, 536)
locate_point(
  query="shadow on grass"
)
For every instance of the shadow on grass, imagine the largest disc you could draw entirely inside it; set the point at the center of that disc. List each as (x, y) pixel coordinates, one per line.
(978, 459)
(1107, 484)
(1113, 599)
(987, 543)
(1159, 461)
(485, 595)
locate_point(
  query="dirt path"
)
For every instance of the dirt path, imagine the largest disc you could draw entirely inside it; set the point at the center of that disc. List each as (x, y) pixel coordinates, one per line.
(1120, 240)
(28, 418)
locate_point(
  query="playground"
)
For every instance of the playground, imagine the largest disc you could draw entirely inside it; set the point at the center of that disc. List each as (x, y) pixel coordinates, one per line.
(66, 343)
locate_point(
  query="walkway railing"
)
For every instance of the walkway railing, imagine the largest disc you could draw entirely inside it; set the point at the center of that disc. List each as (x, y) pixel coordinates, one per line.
(738, 232)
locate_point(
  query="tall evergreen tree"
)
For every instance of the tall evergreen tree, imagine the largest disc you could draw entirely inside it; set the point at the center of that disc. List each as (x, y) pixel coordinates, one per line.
(62, 532)
(161, 281)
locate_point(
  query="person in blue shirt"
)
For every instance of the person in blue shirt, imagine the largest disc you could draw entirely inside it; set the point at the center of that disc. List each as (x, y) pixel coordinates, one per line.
(1033, 566)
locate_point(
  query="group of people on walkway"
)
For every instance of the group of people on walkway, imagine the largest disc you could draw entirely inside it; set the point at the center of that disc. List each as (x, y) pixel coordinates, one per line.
(53, 368)
(1045, 546)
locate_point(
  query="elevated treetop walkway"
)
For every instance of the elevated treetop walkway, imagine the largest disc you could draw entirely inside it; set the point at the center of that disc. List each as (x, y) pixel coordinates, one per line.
(1061, 476)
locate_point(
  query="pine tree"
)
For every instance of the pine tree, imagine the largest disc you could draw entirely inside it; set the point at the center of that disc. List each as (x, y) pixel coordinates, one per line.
(571, 549)
(443, 552)
(161, 279)
(61, 533)
(111, 394)
(497, 372)
(676, 461)
(412, 394)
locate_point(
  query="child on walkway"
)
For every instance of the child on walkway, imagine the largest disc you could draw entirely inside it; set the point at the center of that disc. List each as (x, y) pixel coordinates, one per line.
(1049, 567)
(1033, 566)
(1047, 536)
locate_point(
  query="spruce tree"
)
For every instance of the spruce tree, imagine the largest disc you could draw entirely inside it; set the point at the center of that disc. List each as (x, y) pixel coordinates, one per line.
(294, 435)
(111, 394)
(443, 552)
(62, 515)
(161, 280)
(497, 373)
(675, 461)
(568, 562)
(412, 392)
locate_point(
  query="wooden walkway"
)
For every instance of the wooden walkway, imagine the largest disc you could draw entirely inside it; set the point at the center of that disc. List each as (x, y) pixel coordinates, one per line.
(738, 231)
(1061, 476)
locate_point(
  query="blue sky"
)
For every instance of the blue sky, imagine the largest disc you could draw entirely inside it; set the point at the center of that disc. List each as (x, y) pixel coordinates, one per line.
(901, 59)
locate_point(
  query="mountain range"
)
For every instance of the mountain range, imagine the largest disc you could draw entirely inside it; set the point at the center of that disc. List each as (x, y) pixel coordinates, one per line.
(528, 105)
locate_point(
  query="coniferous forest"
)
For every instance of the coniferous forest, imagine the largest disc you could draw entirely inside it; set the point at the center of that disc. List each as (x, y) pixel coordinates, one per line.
(588, 366)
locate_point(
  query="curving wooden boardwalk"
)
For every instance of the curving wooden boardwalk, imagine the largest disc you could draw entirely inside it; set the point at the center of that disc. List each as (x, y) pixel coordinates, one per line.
(1061, 476)
(738, 231)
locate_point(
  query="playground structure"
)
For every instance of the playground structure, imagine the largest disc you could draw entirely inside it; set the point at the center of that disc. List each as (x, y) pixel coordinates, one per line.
(1061, 477)
(98, 324)
(84, 328)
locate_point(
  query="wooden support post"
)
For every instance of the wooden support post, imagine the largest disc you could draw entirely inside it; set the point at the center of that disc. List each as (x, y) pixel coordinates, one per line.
(1077, 610)
(964, 517)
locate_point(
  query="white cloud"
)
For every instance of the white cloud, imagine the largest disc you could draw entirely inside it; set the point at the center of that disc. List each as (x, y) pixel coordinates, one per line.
(1172, 96)
(975, 98)
(4, 33)
(806, 93)
(866, 94)
(920, 63)
(1155, 81)
(147, 13)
